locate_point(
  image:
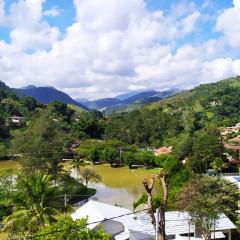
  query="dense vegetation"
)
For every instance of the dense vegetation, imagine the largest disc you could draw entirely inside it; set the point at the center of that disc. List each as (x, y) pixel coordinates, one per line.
(190, 122)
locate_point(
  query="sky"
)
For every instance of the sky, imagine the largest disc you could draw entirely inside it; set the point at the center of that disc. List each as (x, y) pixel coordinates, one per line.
(101, 48)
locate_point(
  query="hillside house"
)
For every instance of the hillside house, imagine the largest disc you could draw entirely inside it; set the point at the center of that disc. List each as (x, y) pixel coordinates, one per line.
(16, 120)
(123, 224)
(163, 150)
(235, 140)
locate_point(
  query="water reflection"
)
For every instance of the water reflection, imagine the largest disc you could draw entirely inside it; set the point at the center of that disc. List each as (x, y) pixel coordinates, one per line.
(120, 186)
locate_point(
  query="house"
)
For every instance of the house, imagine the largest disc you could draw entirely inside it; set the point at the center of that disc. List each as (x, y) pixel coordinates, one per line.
(235, 140)
(234, 179)
(123, 224)
(16, 120)
(162, 150)
(179, 226)
(107, 216)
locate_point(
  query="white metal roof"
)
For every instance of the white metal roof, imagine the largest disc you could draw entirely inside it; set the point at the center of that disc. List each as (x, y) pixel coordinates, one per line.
(178, 223)
(217, 235)
(98, 211)
(234, 179)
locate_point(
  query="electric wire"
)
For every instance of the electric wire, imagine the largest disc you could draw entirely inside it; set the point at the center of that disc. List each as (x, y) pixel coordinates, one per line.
(96, 222)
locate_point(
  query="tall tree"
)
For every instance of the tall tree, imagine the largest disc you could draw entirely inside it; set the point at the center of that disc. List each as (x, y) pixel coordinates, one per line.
(42, 143)
(90, 175)
(34, 204)
(77, 163)
(205, 198)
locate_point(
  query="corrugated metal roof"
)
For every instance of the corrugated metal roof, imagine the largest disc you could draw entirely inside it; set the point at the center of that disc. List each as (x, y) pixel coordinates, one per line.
(140, 225)
(178, 223)
(234, 179)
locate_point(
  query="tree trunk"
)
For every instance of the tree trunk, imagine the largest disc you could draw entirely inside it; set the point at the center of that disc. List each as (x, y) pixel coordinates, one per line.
(163, 178)
(149, 194)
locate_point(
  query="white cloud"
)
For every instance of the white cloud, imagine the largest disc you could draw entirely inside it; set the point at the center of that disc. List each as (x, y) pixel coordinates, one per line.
(28, 30)
(189, 22)
(113, 46)
(53, 12)
(228, 24)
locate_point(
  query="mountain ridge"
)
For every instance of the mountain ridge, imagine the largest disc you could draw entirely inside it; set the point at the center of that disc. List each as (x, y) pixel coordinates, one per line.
(46, 95)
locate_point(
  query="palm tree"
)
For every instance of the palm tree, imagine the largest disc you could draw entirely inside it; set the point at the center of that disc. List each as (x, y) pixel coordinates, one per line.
(34, 205)
(90, 175)
(218, 165)
(77, 162)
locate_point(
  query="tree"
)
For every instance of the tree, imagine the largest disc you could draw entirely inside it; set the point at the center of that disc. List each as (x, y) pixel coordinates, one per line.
(94, 155)
(206, 147)
(6, 186)
(90, 175)
(3, 151)
(42, 144)
(128, 158)
(34, 204)
(77, 162)
(218, 165)
(67, 229)
(207, 197)
(146, 157)
(110, 154)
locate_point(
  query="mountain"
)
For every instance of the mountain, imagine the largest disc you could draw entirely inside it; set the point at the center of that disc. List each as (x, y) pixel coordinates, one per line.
(182, 120)
(140, 96)
(82, 100)
(103, 104)
(127, 95)
(47, 95)
(123, 101)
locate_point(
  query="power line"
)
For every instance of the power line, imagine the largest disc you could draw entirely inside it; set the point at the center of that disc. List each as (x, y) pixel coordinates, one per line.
(57, 231)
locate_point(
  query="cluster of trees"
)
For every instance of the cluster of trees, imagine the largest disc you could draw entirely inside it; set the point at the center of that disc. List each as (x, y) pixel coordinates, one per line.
(34, 206)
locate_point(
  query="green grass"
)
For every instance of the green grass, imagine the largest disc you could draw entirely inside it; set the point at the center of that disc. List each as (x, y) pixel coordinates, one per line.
(76, 108)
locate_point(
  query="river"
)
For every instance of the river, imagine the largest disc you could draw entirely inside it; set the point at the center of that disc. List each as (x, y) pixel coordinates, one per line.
(120, 186)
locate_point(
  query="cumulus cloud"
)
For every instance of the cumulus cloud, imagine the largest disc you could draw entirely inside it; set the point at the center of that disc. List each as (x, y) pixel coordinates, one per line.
(28, 30)
(53, 12)
(111, 47)
(228, 24)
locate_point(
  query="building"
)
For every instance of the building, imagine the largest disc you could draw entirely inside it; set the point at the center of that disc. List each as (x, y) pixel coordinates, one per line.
(162, 150)
(16, 120)
(123, 224)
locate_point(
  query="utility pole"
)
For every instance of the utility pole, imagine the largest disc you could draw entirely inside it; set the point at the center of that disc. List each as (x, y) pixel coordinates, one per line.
(214, 237)
(157, 224)
(189, 226)
(120, 153)
(65, 204)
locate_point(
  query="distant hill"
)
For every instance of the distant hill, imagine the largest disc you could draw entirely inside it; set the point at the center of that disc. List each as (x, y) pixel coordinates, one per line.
(181, 119)
(140, 96)
(103, 104)
(46, 95)
(124, 101)
(127, 95)
(82, 100)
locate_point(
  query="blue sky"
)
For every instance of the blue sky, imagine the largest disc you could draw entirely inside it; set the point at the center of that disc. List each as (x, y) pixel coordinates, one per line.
(100, 48)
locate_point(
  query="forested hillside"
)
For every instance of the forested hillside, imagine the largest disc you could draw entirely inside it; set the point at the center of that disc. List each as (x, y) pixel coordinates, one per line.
(11, 105)
(210, 105)
(190, 122)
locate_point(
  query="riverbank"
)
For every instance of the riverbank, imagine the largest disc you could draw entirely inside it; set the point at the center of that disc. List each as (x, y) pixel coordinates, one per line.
(121, 186)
